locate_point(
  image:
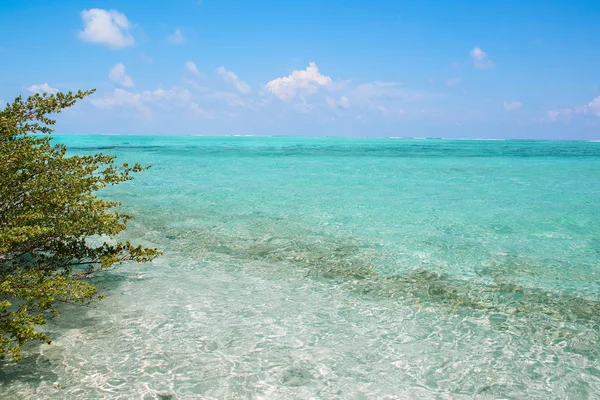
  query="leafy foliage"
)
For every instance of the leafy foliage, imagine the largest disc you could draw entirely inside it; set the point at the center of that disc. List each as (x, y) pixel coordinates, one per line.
(51, 220)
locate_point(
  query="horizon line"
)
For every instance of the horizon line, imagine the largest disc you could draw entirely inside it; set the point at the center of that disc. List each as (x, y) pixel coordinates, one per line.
(325, 137)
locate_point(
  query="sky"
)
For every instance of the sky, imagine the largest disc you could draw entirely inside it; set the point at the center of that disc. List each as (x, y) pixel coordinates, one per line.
(452, 69)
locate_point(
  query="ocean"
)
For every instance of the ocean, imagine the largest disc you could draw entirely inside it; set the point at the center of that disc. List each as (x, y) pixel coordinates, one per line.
(334, 268)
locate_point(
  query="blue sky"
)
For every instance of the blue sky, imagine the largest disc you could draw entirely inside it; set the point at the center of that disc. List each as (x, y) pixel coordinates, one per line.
(481, 69)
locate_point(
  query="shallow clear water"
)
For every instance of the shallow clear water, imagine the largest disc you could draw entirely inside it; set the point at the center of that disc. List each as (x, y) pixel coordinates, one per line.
(340, 268)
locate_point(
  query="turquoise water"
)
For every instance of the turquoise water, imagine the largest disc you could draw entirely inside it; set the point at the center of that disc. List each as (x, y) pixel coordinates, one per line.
(325, 268)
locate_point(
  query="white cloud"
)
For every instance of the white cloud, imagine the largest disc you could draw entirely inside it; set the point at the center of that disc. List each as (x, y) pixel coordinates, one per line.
(145, 58)
(43, 88)
(511, 106)
(593, 107)
(192, 68)
(117, 75)
(481, 59)
(196, 109)
(308, 81)
(303, 108)
(195, 86)
(380, 95)
(142, 101)
(232, 99)
(552, 115)
(231, 114)
(565, 114)
(119, 97)
(453, 82)
(176, 37)
(233, 79)
(108, 27)
(343, 102)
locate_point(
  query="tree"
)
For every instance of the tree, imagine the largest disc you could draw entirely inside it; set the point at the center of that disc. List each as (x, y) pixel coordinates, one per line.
(54, 230)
